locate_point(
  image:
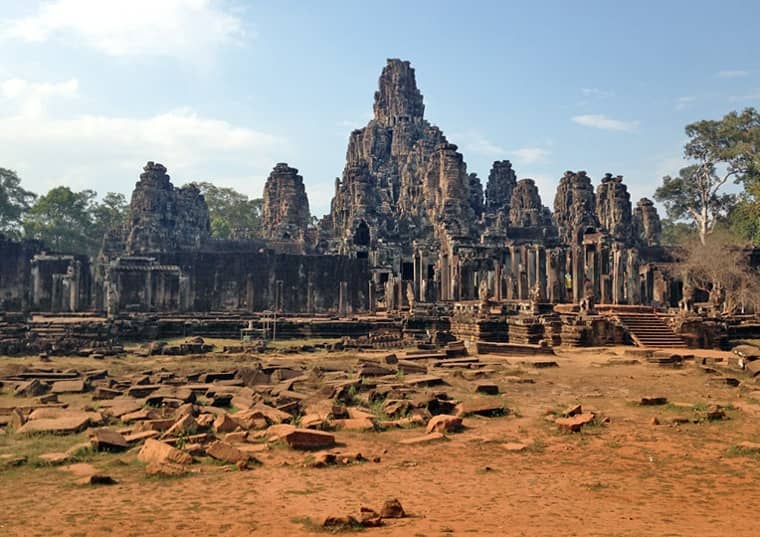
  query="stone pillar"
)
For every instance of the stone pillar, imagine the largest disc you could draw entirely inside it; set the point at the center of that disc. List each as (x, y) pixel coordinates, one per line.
(278, 298)
(417, 283)
(76, 275)
(577, 273)
(497, 282)
(618, 275)
(445, 278)
(184, 293)
(149, 289)
(531, 265)
(342, 299)
(310, 297)
(36, 284)
(371, 298)
(249, 292)
(456, 282)
(541, 273)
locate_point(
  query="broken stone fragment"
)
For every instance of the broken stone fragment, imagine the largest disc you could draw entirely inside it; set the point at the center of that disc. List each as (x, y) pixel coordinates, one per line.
(225, 452)
(575, 422)
(488, 388)
(97, 479)
(161, 452)
(392, 509)
(425, 439)
(481, 407)
(653, 401)
(444, 423)
(107, 440)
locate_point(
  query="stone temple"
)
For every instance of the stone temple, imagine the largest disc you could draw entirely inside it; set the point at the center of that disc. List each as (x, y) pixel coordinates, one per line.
(410, 229)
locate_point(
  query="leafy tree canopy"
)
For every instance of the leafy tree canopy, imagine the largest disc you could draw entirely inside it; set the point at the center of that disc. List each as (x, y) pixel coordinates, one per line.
(14, 202)
(63, 221)
(722, 150)
(232, 214)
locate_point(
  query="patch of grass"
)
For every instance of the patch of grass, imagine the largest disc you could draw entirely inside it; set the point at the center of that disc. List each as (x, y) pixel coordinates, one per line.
(537, 446)
(304, 492)
(597, 486)
(311, 525)
(738, 451)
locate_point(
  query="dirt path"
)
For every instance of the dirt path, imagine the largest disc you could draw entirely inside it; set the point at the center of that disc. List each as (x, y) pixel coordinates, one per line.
(626, 478)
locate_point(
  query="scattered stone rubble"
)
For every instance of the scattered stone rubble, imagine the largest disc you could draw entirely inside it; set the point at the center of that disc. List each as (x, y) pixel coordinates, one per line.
(172, 420)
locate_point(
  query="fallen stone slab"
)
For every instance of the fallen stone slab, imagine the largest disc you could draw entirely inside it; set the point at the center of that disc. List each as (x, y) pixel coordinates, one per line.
(31, 388)
(226, 424)
(424, 380)
(514, 446)
(141, 415)
(155, 451)
(572, 411)
(751, 447)
(653, 400)
(444, 423)
(101, 392)
(63, 425)
(392, 509)
(488, 388)
(68, 386)
(166, 469)
(96, 479)
(726, 381)
(136, 438)
(53, 458)
(425, 439)
(481, 407)
(225, 452)
(355, 424)
(574, 423)
(307, 439)
(107, 440)
(185, 425)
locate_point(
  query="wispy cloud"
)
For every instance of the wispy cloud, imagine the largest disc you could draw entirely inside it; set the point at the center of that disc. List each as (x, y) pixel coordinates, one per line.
(30, 98)
(732, 73)
(183, 29)
(529, 155)
(747, 97)
(475, 142)
(596, 93)
(106, 151)
(600, 121)
(683, 102)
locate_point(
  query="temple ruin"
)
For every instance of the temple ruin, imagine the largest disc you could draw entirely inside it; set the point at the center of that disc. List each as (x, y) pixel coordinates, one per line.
(410, 231)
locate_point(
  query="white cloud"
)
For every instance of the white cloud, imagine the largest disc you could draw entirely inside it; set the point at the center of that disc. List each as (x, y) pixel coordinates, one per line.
(474, 142)
(106, 153)
(529, 155)
(596, 93)
(30, 97)
(747, 97)
(599, 121)
(184, 29)
(732, 73)
(683, 102)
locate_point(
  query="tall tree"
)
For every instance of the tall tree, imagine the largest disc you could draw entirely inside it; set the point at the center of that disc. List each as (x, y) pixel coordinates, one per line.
(231, 212)
(63, 221)
(14, 202)
(109, 213)
(723, 150)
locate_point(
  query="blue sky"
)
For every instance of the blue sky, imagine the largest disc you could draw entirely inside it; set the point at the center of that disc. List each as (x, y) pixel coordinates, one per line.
(223, 90)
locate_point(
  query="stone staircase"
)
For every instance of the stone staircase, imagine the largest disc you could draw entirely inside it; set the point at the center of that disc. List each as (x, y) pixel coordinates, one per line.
(650, 330)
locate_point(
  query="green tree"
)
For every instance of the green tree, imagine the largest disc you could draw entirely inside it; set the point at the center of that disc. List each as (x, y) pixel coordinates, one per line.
(14, 202)
(722, 150)
(230, 211)
(109, 213)
(63, 221)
